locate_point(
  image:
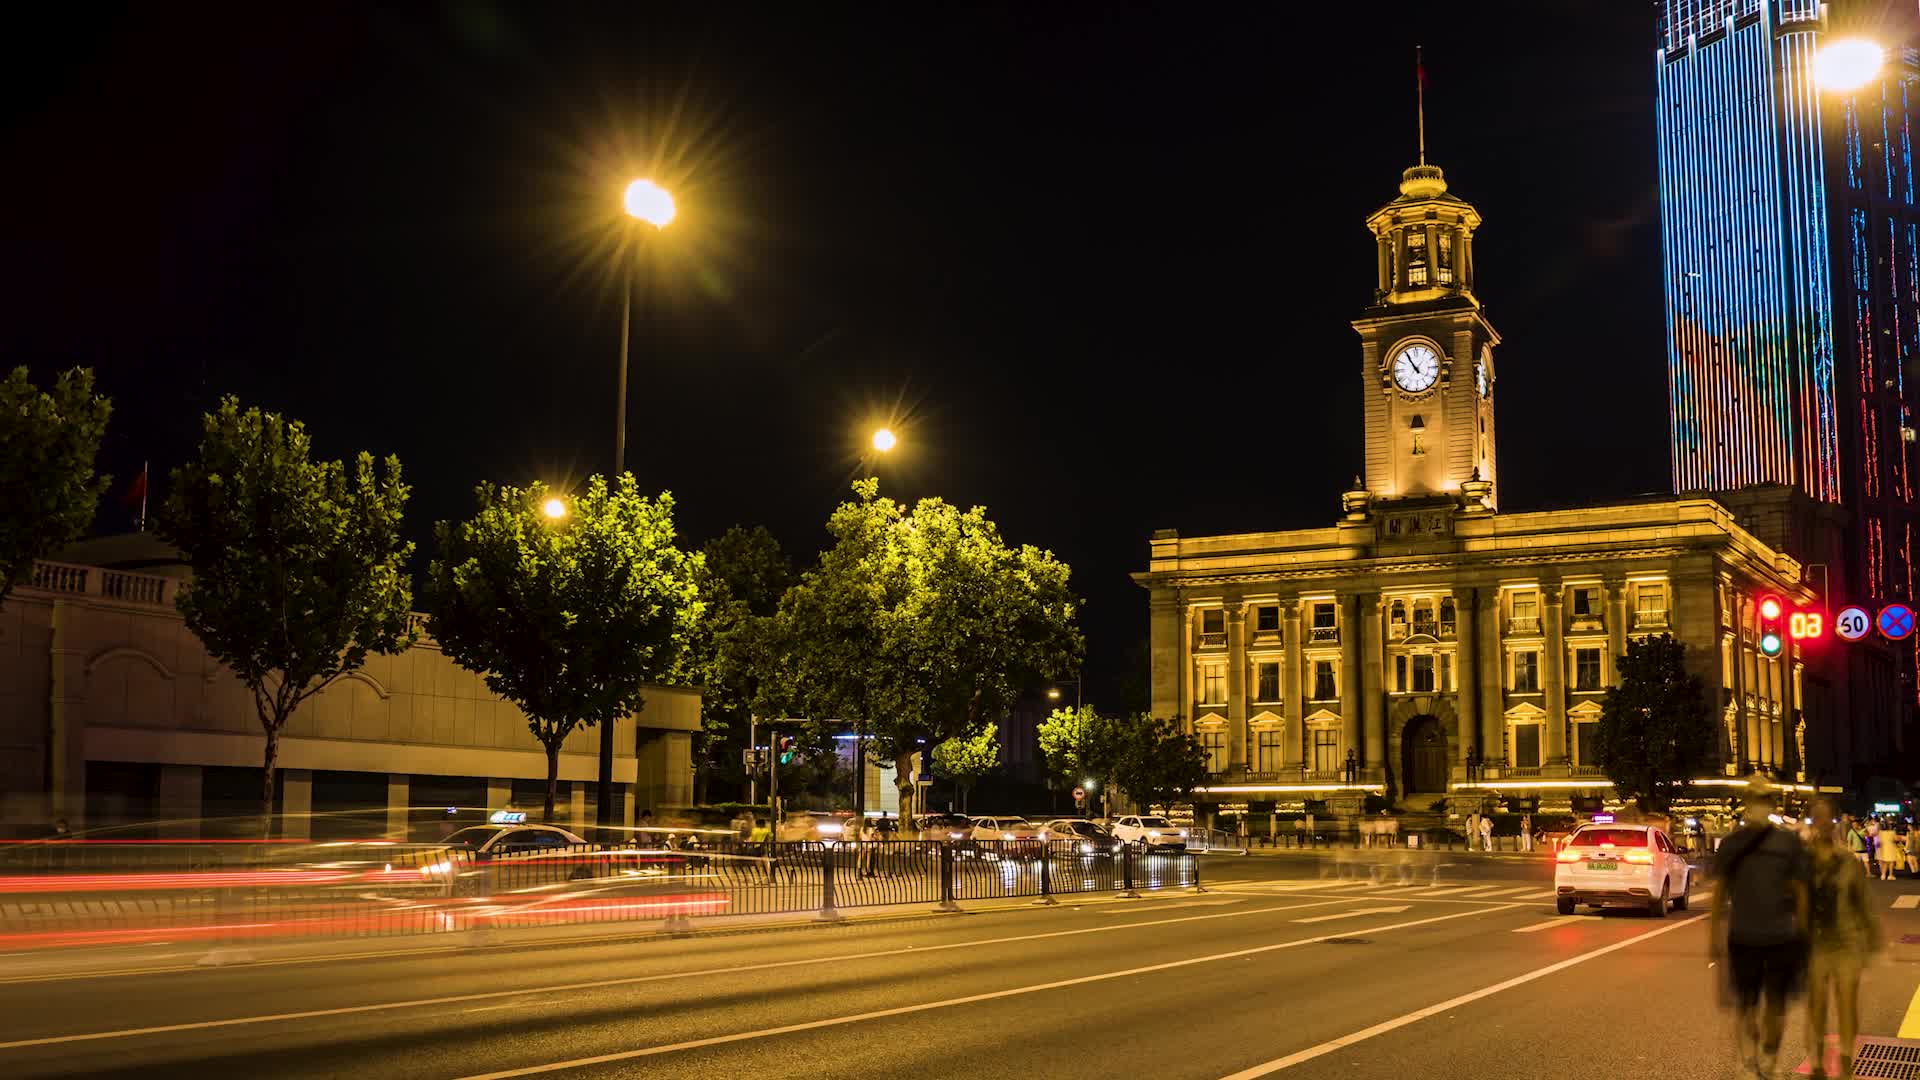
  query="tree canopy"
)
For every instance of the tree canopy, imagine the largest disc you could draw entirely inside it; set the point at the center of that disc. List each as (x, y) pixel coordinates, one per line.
(299, 566)
(744, 575)
(1080, 744)
(1159, 763)
(967, 759)
(919, 624)
(570, 617)
(48, 490)
(1656, 728)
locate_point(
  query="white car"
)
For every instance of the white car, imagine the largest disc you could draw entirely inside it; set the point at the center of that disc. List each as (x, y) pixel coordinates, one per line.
(1088, 838)
(1621, 865)
(1006, 828)
(511, 838)
(1151, 833)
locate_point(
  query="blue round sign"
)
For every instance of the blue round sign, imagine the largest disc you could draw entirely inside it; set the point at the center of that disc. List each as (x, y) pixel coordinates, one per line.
(1895, 622)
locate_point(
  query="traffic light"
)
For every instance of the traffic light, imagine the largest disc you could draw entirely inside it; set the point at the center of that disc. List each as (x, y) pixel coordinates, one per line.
(1771, 641)
(783, 749)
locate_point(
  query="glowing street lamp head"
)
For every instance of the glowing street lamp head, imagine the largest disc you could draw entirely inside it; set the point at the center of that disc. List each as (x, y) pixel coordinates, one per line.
(1847, 64)
(650, 203)
(883, 440)
(554, 508)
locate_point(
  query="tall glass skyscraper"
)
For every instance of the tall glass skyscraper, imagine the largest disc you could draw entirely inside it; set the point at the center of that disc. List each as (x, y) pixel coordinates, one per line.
(1790, 237)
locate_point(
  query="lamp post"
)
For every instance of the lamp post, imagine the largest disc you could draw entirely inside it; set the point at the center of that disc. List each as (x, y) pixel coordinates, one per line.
(1847, 64)
(648, 202)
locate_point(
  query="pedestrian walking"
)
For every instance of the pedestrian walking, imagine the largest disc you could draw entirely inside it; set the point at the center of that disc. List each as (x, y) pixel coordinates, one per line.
(1486, 833)
(1526, 832)
(1872, 833)
(1758, 931)
(1843, 934)
(1856, 840)
(1889, 853)
(869, 848)
(1473, 829)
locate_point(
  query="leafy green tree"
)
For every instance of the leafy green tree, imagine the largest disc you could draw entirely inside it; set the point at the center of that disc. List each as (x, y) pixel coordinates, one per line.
(919, 625)
(567, 617)
(744, 576)
(1656, 728)
(967, 759)
(299, 567)
(48, 492)
(1080, 744)
(1160, 764)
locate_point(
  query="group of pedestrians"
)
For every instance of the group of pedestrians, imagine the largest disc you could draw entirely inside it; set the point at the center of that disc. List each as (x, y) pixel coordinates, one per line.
(1882, 847)
(1479, 832)
(1791, 915)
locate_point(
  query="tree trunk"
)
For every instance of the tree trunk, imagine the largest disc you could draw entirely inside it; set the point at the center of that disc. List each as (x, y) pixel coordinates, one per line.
(553, 780)
(266, 785)
(906, 784)
(700, 783)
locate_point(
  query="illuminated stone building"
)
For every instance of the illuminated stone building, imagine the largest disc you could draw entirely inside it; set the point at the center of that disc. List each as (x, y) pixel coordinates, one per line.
(1441, 646)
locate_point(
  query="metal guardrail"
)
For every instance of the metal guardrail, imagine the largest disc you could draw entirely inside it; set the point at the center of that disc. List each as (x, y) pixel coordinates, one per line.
(228, 895)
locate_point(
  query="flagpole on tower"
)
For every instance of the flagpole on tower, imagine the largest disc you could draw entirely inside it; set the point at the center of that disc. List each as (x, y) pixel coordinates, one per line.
(1420, 97)
(143, 496)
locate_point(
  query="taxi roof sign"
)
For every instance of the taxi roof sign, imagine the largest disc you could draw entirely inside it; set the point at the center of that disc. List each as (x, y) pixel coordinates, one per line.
(507, 817)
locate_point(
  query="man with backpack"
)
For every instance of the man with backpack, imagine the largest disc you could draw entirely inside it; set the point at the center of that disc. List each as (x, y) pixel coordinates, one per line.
(1844, 933)
(1758, 931)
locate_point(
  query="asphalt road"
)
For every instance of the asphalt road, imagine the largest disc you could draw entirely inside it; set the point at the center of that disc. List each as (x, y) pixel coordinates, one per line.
(1275, 967)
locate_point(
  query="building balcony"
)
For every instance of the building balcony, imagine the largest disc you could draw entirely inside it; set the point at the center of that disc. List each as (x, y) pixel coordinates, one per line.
(1323, 635)
(1211, 641)
(1433, 628)
(1529, 624)
(1650, 620)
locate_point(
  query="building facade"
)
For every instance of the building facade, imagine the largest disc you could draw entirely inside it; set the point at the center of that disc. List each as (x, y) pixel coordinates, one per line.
(1791, 248)
(112, 712)
(1427, 647)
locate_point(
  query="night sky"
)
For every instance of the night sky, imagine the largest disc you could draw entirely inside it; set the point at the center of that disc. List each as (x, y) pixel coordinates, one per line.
(1095, 265)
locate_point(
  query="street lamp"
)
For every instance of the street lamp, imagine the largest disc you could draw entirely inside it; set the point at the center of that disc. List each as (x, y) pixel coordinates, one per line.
(554, 508)
(648, 202)
(883, 440)
(1847, 64)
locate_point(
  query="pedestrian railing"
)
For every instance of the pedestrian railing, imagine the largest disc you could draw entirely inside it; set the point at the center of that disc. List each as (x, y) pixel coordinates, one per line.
(232, 895)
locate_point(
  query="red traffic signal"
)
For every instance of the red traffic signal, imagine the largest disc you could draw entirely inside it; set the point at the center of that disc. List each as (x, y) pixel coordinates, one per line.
(1771, 642)
(1770, 607)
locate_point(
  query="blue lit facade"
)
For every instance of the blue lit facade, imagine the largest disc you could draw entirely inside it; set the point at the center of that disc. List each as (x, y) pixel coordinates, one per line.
(1790, 242)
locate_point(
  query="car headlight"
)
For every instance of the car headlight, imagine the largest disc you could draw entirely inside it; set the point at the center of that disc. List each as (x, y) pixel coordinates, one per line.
(1006, 836)
(435, 868)
(829, 827)
(1183, 834)
(1086, 849)
(1153, 834)
(956, 836)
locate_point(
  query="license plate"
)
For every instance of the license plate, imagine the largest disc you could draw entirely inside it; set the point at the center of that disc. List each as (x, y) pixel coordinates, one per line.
(1603, 866)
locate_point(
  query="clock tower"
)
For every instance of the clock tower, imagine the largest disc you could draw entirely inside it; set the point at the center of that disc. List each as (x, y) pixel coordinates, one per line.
(1427, 350)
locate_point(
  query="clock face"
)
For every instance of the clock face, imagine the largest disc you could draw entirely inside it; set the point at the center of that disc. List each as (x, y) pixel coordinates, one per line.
(1480, 379)
(1416, 368)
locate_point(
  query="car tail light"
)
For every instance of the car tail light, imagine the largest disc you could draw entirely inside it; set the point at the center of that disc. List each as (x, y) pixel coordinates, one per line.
(1640, 857)
(1568, 855)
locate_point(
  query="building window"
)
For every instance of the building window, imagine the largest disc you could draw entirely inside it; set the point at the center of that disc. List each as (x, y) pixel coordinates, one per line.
(1650, 605)
(1397, 612)
(1213, 684)
(1326, 750)
(1323, 686)
(1586, 669)
(1443, 263)
(1586, 603)
(1423, 622)
(1526, 672)
(1586, 744)
(1267, 750)
(1423, 674)
(1266, 682)
(1213, 621)
(1214, 742)
(1266, 619)
(1400, 674)
(1526, 746)
(1416, 257)
(1325, 628)
(1446, 616)
(1526, 613)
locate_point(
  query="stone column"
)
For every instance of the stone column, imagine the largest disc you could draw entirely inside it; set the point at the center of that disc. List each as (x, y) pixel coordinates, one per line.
(1555, 750)
(1616, 627)
(296, 804)
(1350, 673)
(1166, 660)
(1466, 701)
(1465, 272)
(1745, 750)
(399, 799)
(1292, 692)
(1385, 264)
(1372, 700)
(179, 800)
(1236, 685)
(1492, 674)
(66, 731)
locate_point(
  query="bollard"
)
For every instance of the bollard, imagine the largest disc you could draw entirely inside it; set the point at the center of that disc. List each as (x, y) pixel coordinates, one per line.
(828, 913)
(1126, 872)
(946, 878)
(1046, 881)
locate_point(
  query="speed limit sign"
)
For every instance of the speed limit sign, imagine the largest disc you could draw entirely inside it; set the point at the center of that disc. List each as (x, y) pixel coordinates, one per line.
(1852, 623)
(1079, 793)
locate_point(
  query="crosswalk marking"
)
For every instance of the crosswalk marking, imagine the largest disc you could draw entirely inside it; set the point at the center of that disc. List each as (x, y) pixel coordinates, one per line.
(1548, 895)
(1910, 900)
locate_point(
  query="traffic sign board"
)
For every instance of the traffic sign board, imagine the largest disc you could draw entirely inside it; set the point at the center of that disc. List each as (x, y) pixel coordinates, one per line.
(1079, 793)
(1853, 623)
(1895, 622)
(754, 757)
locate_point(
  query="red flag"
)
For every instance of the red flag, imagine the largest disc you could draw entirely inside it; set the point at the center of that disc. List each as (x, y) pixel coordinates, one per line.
(1420, 69)
(136, 492)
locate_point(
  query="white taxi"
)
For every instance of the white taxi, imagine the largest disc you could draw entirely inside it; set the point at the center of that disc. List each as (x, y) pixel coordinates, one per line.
(1150, 832)
(1621, 865)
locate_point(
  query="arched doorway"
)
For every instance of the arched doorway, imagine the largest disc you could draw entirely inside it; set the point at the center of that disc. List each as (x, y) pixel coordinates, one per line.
(1424, 747)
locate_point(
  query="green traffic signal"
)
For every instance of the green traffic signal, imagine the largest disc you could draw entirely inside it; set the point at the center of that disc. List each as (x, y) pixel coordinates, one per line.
(1770, 643)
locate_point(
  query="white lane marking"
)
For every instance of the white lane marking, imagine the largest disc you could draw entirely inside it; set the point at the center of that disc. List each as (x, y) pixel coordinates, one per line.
(1551, 923)
(631, 980)
(925, 1006)
(1357, 911)
(1165, 907)
(1484, 890)
(1910, 900)
(1548, 895)
(1446, 891)
(1397, 1022)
